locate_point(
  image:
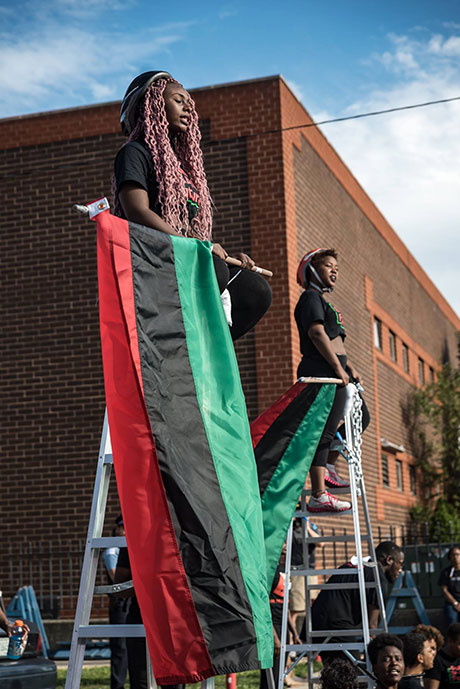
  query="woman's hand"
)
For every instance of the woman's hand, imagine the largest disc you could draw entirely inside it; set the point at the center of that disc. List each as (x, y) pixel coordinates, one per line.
(354, 373)
(219, 251)
(246, 261)
(341, 373)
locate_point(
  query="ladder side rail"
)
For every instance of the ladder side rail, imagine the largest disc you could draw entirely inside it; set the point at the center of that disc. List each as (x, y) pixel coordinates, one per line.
(285, 614)
(90, 560)
(353, 445)
(381, 602)
(306, 563)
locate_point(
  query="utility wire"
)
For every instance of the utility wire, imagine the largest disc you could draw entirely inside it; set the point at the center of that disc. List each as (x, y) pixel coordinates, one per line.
(356, 117)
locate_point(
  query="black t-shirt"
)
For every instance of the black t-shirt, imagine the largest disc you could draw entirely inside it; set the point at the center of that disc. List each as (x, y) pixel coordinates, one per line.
(450, 577)
(312, 308)
(446, 670)
(134, 615)
(134, 164)
(410, 682)
(341, 608)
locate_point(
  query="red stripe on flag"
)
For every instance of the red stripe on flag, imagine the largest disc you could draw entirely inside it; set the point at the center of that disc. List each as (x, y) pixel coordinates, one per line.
(174, 634)
(262, 423)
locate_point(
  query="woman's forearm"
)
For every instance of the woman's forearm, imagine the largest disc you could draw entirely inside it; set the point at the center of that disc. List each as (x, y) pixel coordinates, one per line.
(323, 345)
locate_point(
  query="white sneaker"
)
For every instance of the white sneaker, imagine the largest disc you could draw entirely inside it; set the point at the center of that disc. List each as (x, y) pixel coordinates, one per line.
(333, 480)
(327, 503)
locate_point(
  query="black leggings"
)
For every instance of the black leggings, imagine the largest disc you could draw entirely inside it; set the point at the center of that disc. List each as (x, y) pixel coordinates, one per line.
(250, 293)
(320, 367)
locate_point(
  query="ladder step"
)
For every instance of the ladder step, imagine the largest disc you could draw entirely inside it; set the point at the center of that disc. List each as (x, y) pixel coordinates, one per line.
(110, 631)
(323, 572)
(108, 459)
(333, 491)
(326, 513)
(338, 538)
(317, 648)
(108, 541)
(319, 587)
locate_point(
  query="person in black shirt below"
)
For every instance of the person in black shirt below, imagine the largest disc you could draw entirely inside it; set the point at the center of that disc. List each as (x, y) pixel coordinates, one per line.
(341, 608)
(386, 656)
(446, 669)
(419, 655)
(322, 335)
(449, 581)
(159, 182)
(136, 646)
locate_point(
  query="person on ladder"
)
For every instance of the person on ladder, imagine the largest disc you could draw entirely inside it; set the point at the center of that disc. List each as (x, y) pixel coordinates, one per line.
(159, 182)
(322, 335)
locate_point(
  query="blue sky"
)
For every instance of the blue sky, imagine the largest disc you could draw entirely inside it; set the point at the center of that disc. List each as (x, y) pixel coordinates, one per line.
(340, 57)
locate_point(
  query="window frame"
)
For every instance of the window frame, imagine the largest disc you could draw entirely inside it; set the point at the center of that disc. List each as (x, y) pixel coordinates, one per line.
(378, 334)
(385, 470)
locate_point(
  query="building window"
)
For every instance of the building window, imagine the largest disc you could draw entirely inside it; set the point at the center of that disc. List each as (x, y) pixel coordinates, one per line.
(399, 475)
(385, 472)
(431, 375)
(412, 479)
(393, 346)
(421, 371)
(405, 354)
(378, 333)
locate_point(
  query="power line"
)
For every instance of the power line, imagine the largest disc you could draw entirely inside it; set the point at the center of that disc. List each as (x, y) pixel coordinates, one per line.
(356, 117)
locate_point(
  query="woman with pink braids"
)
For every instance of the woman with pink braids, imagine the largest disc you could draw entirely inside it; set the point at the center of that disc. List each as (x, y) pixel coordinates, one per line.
(160, 182)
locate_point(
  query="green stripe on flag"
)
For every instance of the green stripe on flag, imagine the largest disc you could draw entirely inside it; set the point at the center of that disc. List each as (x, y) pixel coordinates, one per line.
(223, 410)
(282, 493)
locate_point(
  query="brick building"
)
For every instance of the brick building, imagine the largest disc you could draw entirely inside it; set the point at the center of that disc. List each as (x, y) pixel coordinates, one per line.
(277, 194)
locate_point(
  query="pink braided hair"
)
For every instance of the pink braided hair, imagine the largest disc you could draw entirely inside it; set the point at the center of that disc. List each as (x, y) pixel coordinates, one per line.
(170, 160)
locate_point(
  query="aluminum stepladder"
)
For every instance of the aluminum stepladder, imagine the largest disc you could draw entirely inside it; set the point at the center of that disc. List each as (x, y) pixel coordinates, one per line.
(352, 452)
(82, 629)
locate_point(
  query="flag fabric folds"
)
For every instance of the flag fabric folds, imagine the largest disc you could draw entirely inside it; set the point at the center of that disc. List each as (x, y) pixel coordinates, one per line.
(182, 453)
(285, 438)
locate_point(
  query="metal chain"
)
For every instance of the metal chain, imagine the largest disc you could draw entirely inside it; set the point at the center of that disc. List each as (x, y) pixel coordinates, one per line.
(355, 442)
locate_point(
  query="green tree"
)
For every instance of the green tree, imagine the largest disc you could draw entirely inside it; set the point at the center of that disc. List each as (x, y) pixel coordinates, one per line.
(432, 417)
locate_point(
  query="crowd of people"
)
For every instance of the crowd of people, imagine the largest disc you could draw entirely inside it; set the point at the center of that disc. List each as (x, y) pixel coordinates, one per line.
(420, 659)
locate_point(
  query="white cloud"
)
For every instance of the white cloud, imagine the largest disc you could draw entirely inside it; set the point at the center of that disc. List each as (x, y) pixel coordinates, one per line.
(408, 161)
(70, 66)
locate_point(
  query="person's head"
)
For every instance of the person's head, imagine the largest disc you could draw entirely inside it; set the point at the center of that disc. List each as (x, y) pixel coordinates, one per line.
(386, 655)
(419, 653)
(318, 267)
(453, 640)
(391, 559)
(432, 634)
(119, 528)
(339, 674)
(454, 556)
(158, 110)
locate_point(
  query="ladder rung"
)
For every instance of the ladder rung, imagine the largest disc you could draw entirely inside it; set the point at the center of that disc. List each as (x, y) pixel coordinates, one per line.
(324, 572)
(338, 538)
(368, 585)
(109, 631)
(108, 459)
(115, 588)
(356, 646)
(107, 541)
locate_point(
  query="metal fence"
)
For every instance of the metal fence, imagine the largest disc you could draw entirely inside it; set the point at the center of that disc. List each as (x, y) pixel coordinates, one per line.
(54, 570)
